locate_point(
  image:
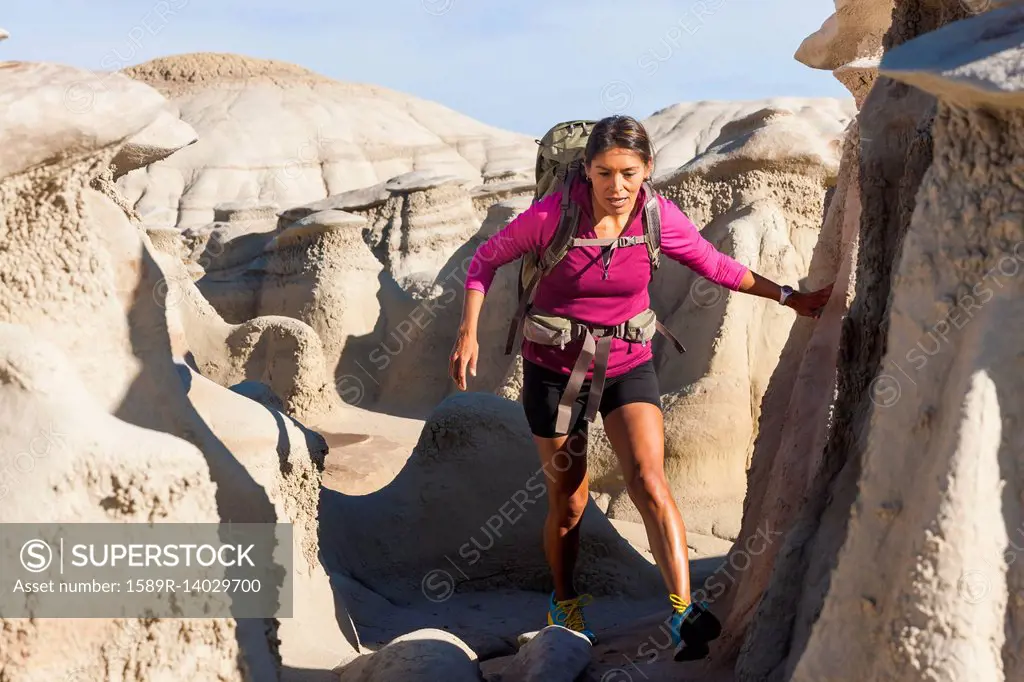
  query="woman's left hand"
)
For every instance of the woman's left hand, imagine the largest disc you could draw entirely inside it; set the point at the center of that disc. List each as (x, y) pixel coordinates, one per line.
(809, 304)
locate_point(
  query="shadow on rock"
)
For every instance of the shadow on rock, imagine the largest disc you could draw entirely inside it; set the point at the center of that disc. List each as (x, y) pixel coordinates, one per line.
(466, 514)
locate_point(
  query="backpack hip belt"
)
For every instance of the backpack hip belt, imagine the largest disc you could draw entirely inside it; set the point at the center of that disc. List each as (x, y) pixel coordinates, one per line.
(558, 330)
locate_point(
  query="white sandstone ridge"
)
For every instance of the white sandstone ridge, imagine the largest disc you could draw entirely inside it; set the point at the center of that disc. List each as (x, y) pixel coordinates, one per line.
(274, 132)
(686, 130)
(770, 139)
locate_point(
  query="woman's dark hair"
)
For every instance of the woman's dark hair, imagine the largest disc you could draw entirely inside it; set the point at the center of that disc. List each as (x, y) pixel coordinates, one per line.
(624, 132)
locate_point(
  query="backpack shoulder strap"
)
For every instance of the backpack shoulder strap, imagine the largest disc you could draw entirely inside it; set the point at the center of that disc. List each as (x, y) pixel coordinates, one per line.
(652, 225)
(568, 222)
(555, 250)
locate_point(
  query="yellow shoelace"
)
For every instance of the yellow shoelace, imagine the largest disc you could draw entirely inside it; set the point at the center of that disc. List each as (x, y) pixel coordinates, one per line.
(678, 603)
(573, 610)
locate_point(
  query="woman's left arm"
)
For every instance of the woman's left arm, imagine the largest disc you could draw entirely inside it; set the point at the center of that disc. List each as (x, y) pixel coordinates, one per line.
(809, 304)
(682, 241)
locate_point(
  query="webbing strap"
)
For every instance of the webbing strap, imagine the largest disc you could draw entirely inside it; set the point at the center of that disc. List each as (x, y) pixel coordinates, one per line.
(597, 348)
(572, 388)
(671, 337)
(604, 347)
(517, 319)
(631, 240)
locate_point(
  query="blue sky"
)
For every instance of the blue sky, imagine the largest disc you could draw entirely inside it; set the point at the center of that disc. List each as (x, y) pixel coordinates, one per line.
(517, 64)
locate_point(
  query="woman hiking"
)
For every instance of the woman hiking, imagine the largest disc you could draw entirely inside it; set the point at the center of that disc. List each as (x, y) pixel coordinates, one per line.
(598, 287)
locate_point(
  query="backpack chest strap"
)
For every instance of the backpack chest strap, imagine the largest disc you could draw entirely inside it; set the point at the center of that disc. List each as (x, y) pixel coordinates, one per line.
(614, 242)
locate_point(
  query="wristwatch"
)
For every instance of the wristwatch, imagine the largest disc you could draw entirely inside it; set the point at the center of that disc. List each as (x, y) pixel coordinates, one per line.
(787, 291)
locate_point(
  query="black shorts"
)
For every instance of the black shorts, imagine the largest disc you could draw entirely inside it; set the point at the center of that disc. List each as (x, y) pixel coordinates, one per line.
(542, 391)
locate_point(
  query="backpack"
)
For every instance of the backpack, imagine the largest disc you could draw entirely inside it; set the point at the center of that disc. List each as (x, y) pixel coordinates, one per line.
(560, 165)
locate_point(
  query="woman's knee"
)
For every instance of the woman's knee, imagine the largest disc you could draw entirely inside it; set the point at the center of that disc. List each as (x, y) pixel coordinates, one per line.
(568, 506)
(649, 487)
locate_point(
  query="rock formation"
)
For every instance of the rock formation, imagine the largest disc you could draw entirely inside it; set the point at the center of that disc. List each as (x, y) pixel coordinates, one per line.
(849, 43)
(96, 380)
(272, 132)
(889, 492)
(938, 516)
(684, 131)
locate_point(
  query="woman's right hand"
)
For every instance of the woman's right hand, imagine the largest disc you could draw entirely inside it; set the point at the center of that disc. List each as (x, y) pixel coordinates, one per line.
(464, 354)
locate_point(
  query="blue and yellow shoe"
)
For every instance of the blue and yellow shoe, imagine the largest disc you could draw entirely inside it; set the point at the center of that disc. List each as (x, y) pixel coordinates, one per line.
(569, 614)
(692, 627)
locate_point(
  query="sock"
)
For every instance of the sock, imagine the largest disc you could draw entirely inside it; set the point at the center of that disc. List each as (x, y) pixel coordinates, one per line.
(678, 603)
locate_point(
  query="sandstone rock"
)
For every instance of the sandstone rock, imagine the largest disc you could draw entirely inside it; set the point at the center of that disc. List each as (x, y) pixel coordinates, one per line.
(417, 181)
(261, 393)
(865, 572)
(554, 654)
(80, 111)
(794, 423)
(282, 351)
(166, 135)
(312, 226)
(855, 31)
(243, 212)
(419, 228)
(768, 139)
(858, 76)
(288, 477)
(420, 656)
(317, 272)
(275, 131)
(945, 550)
(965, 63)
(423, 318)
(849, 44)
(683, 131)
(87, 282)
(352, 200)
(83, 375)
(489, 195)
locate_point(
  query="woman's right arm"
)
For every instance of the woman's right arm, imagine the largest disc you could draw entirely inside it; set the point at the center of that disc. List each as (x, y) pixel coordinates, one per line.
(527, 232)
(467, 348)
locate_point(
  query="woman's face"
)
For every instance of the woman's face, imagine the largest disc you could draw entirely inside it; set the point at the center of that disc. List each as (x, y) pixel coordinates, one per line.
(617, 175)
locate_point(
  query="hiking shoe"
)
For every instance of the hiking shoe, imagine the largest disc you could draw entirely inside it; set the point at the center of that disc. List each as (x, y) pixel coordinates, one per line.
(692, 627)
(569, 614)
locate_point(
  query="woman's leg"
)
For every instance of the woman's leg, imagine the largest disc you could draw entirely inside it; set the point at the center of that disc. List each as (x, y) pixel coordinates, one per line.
(636, 433)
(564, 463)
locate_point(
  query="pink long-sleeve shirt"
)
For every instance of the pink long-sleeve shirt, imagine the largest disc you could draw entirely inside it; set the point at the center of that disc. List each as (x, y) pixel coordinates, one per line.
(576, 287)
